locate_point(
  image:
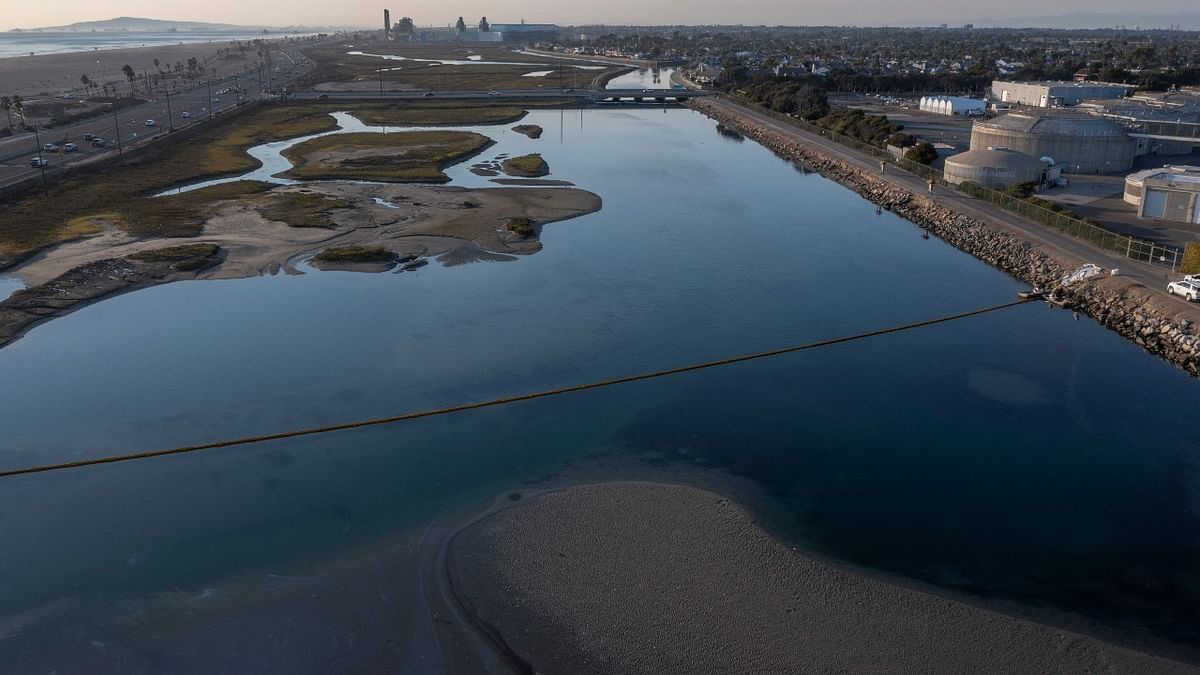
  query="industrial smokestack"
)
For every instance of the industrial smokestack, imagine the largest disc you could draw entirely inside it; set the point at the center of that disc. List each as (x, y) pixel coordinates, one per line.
(387, 24)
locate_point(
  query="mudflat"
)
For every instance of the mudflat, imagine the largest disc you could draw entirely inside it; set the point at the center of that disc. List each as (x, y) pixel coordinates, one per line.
(650, 578)
(451, 225)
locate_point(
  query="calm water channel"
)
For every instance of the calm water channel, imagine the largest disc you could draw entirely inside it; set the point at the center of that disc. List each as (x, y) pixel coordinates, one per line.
(1021, 456)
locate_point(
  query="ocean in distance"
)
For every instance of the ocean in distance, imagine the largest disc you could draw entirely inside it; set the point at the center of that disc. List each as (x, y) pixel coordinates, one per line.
(25, 43)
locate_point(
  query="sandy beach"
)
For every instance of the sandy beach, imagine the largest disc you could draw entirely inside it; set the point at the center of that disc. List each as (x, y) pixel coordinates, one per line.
(651, 578)
(53, 74)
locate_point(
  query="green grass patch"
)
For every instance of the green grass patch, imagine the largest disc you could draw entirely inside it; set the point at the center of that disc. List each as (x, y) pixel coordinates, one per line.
(177, 253)
(301, 209)
(183, 258)
(528, 166)
(355, 254)
(117, 192)
(410, 156)
(530, 130)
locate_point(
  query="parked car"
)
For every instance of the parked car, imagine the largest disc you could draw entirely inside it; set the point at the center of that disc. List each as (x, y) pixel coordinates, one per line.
(185, 114)
(427, 94)
(98, 142)
(49, 147)
(39, 162)
(88, 137)
(70, 147)
(493, 93)
(151, 123)
(1188, 290)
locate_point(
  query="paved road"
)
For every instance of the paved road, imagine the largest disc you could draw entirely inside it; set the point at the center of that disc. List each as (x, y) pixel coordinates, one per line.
(1154, 278)
(130, 123)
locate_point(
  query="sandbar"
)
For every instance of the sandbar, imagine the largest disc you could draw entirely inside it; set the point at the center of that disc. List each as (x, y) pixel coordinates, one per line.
(652, 578)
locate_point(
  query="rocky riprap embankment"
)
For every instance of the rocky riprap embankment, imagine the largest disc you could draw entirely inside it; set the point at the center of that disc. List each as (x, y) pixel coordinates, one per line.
(1114, 302)
(96, 280)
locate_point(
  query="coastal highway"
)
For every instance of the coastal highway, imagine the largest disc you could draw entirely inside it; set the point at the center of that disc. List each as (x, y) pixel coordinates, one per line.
(17, 151)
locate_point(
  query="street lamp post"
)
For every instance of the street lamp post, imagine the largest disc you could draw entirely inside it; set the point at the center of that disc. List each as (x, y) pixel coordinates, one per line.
(41, 162)
(170, 117)
(117, 130)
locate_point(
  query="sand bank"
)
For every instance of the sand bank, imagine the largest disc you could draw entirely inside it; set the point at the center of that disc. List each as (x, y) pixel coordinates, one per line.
(648, 578)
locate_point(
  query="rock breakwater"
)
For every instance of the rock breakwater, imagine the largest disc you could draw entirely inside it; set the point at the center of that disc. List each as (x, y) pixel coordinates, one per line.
(1118, 303)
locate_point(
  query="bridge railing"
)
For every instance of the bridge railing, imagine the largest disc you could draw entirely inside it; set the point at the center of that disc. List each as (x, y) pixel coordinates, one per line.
(1133, 248)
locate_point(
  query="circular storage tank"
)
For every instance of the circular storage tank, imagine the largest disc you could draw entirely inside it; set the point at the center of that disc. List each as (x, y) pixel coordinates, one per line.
(994, 167)
(1082, 144)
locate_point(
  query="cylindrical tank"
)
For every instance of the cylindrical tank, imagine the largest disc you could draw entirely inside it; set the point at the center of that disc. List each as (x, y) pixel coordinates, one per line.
(994, 167)
(1081, 144)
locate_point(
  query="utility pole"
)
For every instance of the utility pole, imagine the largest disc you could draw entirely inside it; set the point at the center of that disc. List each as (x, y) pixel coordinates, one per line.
(41, 162)
(208, 83)
(380, 83)
(170, 117)
(117, 130)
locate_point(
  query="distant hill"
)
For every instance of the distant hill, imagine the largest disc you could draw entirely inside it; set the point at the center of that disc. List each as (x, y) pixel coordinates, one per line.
(135, 24)
(1085, 20)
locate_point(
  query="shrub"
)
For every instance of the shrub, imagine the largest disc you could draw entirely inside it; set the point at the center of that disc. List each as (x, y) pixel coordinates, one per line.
(1191, 258)
(1022, 190)
(921, 153)
(520, 226)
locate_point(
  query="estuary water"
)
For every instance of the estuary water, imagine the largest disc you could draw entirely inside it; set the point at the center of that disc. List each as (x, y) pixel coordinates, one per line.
(643, 78)
(1023, 457)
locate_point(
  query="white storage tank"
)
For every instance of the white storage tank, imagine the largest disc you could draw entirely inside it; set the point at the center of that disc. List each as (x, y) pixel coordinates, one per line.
(1082, 144)
(995, 168)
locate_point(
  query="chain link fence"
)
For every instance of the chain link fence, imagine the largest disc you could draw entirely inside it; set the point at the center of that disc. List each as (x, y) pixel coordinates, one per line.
(1141, 250)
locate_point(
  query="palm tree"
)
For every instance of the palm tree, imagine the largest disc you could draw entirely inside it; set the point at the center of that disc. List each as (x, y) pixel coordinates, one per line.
(7, 105)
(19, 106)
(129, 75)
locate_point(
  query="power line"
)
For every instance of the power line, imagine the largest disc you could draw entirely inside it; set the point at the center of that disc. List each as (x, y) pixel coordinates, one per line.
(248, 440)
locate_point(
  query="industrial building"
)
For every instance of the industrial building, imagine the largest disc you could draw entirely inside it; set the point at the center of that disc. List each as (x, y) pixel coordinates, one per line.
(1167, 193)
(526, 33)
(1055, 94)
(1082, 144)
(998, 168)
(952, 105)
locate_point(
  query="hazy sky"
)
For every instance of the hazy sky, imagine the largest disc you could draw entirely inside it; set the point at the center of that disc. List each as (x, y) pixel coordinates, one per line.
(33, 13)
